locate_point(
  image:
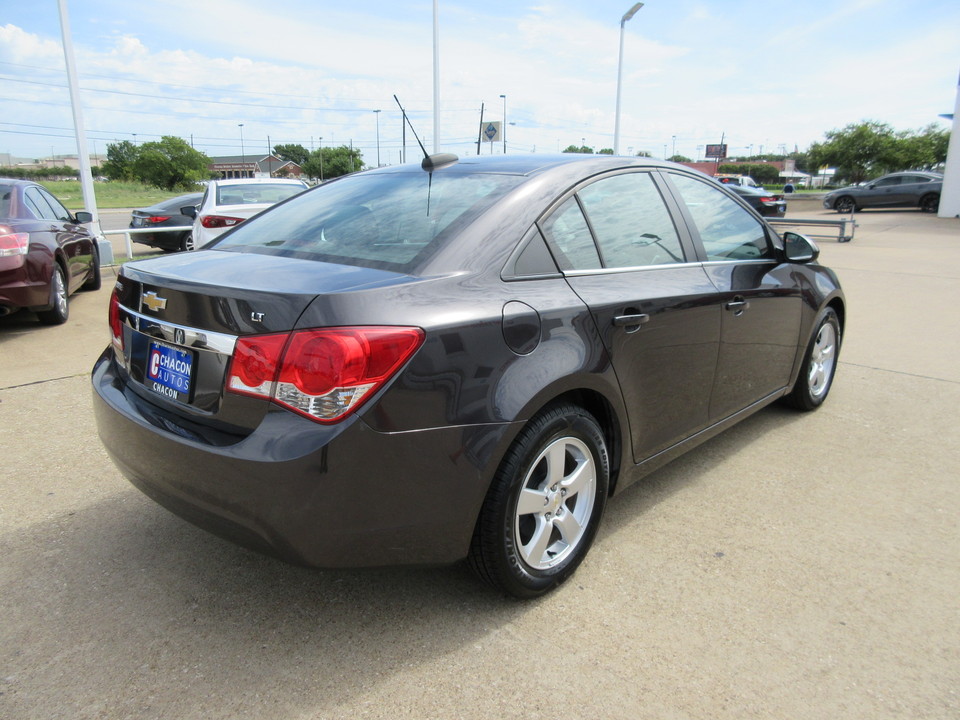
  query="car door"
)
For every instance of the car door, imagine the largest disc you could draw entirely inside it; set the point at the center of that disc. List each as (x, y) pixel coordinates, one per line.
(760, 295)
(656, 312)
(75, 243)
(885, 192)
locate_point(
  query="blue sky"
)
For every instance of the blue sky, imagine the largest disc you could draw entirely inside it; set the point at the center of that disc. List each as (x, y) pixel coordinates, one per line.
(776, 75)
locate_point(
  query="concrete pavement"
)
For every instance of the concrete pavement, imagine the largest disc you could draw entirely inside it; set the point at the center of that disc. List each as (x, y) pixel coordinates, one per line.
(797, 566)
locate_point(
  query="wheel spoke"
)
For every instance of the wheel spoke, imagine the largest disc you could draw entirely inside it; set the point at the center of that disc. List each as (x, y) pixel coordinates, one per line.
(570, 528)
(535, 550)
(580, 478)
(556, 457)
(531, 502)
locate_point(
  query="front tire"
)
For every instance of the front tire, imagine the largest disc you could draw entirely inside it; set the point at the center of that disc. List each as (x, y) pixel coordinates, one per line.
(544, 505)
(845, 205)
(94, 282)
(819, 365)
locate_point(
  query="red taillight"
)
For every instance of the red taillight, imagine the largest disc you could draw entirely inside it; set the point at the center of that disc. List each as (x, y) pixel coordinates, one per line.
(157, 219)
(321, 374)
(13, 243)
(219, 221)
(116, 324)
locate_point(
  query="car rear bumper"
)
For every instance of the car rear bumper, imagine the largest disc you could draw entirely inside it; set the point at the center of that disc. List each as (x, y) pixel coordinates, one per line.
(347, 497)
(19, 291)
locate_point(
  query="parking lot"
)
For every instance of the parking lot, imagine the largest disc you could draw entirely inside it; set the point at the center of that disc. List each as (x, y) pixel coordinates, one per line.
(797, 566)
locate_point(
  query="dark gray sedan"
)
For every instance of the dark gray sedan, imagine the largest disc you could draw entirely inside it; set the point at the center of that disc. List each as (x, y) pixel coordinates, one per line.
(916, 189)
(464, 359)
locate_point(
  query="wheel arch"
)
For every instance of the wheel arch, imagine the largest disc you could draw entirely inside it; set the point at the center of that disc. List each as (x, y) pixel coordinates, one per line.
(603, 411)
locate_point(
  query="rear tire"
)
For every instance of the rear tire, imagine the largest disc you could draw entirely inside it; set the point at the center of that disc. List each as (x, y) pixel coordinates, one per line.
(186, 242)
(930, 203)
(544, 505)
(819, 364)
(60, 306)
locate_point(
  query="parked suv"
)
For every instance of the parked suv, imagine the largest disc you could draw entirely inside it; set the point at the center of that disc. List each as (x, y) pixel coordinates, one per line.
(917, 189)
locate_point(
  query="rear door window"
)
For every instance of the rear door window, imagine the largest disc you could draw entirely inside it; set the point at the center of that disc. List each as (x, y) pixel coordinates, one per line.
(631, 222)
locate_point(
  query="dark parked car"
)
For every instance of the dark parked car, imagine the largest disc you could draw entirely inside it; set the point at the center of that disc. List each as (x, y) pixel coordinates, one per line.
(166, 214)
(766, 203)
(902, 189)
(45, 253)
(409, 366)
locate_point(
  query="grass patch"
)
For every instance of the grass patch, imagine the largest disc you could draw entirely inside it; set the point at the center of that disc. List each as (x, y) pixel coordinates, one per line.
(109, 194)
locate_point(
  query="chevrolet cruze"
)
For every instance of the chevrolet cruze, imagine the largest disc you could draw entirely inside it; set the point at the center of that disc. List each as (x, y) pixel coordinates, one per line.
(459, 360)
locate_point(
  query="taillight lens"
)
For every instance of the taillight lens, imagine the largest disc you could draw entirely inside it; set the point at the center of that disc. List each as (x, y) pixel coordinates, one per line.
(321, 374)
(157, 219)
(116, 324)
(13, 245)
(219, 221)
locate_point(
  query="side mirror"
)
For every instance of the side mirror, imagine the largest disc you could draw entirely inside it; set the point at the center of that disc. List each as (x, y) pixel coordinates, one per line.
(190, 211)
(799, 248)
(83, 217)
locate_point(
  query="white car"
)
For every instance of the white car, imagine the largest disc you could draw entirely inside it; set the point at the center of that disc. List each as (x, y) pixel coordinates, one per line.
(227, 203)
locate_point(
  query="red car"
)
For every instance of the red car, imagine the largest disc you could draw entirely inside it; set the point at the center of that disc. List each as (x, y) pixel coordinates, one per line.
(45, 252)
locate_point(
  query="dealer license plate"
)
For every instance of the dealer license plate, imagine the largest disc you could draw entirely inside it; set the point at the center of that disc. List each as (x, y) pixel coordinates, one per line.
(169, 370)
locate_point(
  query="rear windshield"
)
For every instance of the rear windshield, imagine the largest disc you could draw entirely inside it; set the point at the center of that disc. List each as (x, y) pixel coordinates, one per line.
(391, 221)
(256, 193)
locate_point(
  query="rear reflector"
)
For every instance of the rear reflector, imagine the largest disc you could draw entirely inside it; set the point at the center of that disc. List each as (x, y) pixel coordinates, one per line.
(322, 374)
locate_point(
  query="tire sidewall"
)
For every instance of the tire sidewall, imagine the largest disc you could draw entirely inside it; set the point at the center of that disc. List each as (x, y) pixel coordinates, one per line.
(521, 579)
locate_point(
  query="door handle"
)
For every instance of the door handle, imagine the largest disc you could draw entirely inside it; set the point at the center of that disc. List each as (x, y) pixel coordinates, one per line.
(630, 320)
(737, 306)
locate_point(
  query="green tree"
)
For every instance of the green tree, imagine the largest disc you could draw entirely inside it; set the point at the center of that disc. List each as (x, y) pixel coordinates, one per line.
(292, 152)
(859, 150)
(170, 163)
(330, 162)
(121, 157)
(606, 151)
(583, 149)
(645, 153)
(679, 158)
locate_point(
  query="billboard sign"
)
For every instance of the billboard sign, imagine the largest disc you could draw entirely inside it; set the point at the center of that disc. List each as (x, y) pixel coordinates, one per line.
(717, 151)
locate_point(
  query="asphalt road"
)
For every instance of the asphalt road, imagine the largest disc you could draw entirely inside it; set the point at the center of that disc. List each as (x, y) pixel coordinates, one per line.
(797, 566)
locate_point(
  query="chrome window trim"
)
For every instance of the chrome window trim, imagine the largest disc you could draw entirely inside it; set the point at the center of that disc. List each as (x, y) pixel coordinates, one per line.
(665, 266)
(192, 338)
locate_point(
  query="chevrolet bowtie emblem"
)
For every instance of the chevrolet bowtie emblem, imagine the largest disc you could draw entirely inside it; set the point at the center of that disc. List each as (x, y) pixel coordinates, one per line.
(154, 301)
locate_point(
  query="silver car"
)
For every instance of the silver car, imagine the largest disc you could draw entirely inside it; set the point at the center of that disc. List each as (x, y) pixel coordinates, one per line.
(917, 189)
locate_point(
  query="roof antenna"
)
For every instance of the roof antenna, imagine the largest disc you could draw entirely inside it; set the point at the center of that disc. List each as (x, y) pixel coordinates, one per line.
(430, 162)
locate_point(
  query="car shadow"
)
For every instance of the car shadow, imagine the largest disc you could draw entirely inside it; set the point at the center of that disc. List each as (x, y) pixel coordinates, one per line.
(185, 619)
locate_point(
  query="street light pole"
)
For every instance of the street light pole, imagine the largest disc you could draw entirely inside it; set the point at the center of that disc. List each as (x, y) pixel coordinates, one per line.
(616, 129)
(243, 153)
(503, 129)
(378, 136)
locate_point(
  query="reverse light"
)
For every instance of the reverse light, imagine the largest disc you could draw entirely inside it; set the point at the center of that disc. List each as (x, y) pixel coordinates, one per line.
(321, 374)
(220, 221)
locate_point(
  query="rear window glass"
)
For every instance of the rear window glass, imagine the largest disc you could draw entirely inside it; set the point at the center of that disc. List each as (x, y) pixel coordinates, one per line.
(391, 221)
(256, 193)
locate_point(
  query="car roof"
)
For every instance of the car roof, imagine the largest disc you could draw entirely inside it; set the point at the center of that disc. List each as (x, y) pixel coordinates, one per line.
(532, 164)
(256, 181)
